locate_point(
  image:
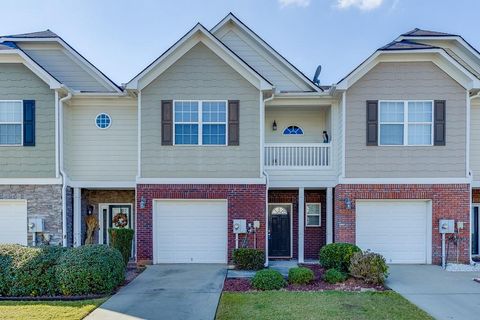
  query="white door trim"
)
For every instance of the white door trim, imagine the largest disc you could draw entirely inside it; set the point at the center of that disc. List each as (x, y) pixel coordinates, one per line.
(291, 227)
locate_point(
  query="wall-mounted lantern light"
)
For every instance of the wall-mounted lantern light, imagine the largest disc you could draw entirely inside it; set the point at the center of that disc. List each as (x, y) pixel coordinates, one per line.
(348, 203)
(143, 202)
(274, 125)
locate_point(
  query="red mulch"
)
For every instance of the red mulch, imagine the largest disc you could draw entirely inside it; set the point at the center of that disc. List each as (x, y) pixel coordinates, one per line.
(351, 284)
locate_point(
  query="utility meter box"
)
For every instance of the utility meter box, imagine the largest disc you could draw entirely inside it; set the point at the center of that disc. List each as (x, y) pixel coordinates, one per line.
(35, 225)
(239, 226)
(446, 226)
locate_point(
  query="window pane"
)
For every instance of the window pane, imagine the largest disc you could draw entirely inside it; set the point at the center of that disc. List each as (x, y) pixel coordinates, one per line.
(419, 134)
(11, 111)
(186, 133)
(10, 134)
(214, 111)
(186, 111)
(391, 134)
(313, 220)
(313, 208)
(391, 111)
(214, 134)
(420, 111)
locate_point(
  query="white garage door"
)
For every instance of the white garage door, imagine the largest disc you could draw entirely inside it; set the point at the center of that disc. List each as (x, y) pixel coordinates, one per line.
(13, 221)
(399, 230)
(190, 231)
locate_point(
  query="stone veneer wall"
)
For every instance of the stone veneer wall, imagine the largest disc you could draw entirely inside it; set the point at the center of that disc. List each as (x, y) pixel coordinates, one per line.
(43, 201)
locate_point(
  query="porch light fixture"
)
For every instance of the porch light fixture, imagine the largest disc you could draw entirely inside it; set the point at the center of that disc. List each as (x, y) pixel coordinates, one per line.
(348, 203)
(274, 125)
(143, 202)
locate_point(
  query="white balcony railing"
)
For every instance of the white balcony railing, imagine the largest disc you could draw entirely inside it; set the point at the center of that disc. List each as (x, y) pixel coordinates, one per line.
(297, 155)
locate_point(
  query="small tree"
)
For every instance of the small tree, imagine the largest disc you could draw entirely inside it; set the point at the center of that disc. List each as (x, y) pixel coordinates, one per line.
(121, 239)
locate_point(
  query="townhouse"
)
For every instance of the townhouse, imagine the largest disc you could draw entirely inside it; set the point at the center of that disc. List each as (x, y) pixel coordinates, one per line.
(222, 143)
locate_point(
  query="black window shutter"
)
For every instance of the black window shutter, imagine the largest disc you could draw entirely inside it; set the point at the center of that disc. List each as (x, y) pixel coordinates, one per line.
(29, 123)
(372, 123)
(439, 123)
(167, 122)
(233, 122)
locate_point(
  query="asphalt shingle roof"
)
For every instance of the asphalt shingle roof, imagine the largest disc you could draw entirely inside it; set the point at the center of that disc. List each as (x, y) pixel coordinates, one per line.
(426, 33)
(406, 45)
(39, 34)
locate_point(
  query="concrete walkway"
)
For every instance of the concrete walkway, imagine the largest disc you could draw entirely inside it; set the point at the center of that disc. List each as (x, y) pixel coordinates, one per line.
(174, 291)
(444, 295)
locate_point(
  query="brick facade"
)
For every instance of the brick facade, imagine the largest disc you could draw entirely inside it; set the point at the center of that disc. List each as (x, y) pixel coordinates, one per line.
(314, 237)
(450, 201)
(244, 202)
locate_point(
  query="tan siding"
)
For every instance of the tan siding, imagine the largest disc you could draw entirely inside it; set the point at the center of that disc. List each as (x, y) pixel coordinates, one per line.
(200, 74)
(404, 81)
(475, 140)
(19, 83)
(94, 154)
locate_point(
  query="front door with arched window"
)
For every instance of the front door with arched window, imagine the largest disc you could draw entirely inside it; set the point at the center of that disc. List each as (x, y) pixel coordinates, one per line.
(279, 230)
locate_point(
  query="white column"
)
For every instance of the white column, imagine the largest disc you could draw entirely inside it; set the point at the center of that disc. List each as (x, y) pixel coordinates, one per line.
(329, 215)
(77, 217)
(301, 224)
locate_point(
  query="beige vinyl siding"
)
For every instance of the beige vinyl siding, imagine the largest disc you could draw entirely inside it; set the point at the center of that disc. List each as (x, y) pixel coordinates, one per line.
(93, 154)
(406, 81)
(17, 82)
(262, 61)
(200, 75)
(475, 139)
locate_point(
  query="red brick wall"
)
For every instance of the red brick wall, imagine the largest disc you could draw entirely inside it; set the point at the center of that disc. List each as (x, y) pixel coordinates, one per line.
(315, 237)
(244, 202)
(449, 201)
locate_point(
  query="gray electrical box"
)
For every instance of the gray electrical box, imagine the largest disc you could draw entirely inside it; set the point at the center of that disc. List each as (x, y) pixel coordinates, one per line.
(35, 225)
(446, 226)
(239, 226)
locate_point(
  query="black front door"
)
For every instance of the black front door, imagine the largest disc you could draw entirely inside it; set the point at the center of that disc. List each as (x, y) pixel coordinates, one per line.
(279, 230)
(475, 244)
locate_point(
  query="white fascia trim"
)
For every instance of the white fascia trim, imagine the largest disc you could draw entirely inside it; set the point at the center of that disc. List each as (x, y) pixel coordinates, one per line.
(378, 57)
(102, 184)
(475, 184)
(30, 181)
(403, 180)
(201, 180)
(34, 67)
(231, 18)
(193, 37)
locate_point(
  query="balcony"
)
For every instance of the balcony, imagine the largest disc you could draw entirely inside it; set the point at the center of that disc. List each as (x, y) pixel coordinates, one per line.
(298, 155)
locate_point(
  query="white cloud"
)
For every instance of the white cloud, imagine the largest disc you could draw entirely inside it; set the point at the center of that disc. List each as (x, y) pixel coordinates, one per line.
(364, 5)
(294, 3)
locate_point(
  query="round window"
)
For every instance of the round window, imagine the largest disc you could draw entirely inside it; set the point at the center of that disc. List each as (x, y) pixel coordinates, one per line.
(103, 121)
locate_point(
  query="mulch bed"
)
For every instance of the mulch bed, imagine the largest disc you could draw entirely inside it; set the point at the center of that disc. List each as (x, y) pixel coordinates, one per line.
(351, 284)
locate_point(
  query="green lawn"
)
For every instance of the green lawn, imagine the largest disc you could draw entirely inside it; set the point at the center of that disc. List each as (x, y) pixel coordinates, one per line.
(47, 310)
(317, 305)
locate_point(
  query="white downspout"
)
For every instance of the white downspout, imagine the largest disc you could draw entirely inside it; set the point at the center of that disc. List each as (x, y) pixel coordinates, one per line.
(267, 181)
(62, 172)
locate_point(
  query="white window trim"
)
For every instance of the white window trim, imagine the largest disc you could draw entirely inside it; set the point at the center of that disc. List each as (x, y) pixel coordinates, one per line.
(319, 215)
(405, 124)
(109, 125)
(20, 123)
(200, 124)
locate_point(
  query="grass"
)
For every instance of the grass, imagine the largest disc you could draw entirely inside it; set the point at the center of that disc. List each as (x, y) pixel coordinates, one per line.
(317, 305)
(47, 310)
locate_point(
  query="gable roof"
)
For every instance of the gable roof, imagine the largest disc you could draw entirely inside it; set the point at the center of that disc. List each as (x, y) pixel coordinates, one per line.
(232, 18)
(406, 45)
(38, 34)
(178, 49)
(426, 33)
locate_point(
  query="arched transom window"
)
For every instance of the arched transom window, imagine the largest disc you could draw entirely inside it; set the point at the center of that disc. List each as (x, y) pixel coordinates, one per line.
(293, 130)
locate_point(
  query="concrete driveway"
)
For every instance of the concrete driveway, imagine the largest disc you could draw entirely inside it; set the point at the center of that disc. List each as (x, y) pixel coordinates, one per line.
(173, 291)
(444, 295)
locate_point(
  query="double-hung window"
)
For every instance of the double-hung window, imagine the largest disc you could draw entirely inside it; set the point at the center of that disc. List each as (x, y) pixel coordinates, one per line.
(313, 211)
(200, 122)
(408, 123)
(11, 122)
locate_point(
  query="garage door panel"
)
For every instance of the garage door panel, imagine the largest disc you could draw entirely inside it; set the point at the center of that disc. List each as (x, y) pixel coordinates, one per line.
(191, 231)
(395, 229)
(13, 220)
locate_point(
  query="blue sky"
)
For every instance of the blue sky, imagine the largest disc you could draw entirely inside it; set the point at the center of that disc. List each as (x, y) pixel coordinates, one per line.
(122, 37)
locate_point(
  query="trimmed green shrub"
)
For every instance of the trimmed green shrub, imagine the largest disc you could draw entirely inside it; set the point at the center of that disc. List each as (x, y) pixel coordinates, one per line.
(248, 259)
(121, 239)
(370, 267)
(28, 271)
(300, 275)
(337, 255)
(334, 276)
(91, 269)
(268, 279)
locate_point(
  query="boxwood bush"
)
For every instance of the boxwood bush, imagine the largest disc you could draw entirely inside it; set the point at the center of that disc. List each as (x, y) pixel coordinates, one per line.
(28, 271)
(370, 267)
(268, 280)
(334, 276)
(248, 259)
(121, 239)
(90, 269)
(337, 255)
(300, 275)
